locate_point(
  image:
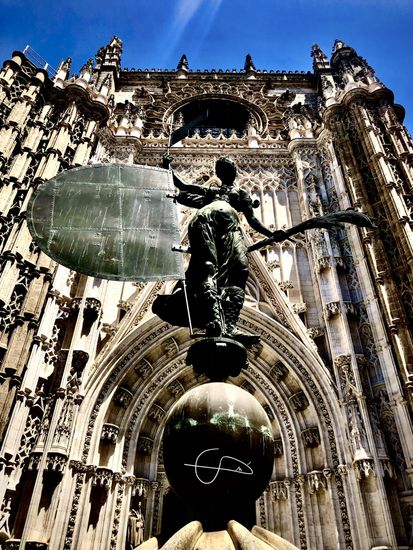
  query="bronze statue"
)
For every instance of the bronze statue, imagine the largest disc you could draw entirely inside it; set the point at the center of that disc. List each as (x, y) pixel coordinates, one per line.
(218, 268)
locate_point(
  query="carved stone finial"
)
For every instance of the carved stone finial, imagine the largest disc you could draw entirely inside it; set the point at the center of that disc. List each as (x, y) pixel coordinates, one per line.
(320, 60)
(338, 44)
(88, 66)
(183, 63)
(249, 64)
(67, 64)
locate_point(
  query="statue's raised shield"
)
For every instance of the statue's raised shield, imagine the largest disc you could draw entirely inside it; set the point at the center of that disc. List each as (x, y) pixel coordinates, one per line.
(112, 221)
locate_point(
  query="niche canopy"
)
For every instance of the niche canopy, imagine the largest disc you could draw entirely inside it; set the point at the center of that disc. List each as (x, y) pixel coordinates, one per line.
(111, 221)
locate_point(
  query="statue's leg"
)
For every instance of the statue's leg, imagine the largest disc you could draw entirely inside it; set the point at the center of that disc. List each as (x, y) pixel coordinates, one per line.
(233, 281)
(232, 301)
(202, 274)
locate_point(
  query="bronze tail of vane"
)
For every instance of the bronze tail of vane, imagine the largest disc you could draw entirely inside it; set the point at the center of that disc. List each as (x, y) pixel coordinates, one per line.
(336, 219)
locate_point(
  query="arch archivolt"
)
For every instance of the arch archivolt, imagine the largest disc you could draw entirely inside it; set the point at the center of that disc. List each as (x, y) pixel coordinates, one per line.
(260, 119)
(132, 390)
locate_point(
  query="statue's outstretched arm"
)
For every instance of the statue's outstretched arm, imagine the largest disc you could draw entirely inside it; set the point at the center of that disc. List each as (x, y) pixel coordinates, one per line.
(179, 182)
(257, 225)
(247, 208)
(188, 187)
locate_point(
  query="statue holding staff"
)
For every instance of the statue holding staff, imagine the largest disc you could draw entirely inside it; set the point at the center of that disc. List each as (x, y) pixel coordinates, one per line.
(218, 268)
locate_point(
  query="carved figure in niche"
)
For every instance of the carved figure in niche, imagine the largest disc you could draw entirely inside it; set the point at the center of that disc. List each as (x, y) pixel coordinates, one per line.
(136, 524)
(218, 267)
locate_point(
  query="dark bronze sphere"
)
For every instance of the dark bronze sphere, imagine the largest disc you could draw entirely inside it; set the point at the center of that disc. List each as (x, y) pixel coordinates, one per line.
(218, 448)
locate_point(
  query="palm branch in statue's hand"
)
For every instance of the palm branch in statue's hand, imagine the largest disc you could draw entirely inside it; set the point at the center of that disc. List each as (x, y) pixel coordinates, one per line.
(336, 219)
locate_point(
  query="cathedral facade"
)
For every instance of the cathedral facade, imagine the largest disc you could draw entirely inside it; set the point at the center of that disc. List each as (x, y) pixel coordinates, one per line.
(88, 373)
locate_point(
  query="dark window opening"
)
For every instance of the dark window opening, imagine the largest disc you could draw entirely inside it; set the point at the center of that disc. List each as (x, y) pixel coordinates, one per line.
(213, 116)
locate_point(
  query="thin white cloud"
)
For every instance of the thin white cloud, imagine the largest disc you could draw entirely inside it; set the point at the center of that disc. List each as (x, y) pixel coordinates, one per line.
(360, 3)
(186, 10)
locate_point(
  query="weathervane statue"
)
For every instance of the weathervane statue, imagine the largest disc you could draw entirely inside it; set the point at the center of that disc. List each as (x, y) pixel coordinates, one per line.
(218, 268)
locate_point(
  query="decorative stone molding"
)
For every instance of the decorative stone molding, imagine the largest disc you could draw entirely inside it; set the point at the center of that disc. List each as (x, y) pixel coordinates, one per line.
(332, 309)
(349, 308)
(299, 401)
(323, 263)
(123, 397)
(343, 365)
(273, 265)
(342, 361)
(285, 285)
(156, 413)
(279, 490)
(315, 332)
(278, 448)
(102, 478)
(247, 386)
(92, 308)
(364, 468)
(343, 470)
(109, 433)
(311, 437)
(145, 445)
(175, 388)
(144, 368)
(34, 461)
(278, 372)
(388, 469)
(109, 329)
(299, 481)
(170, 347)
(299, 307)
(56, 462)
(268, 411)
(316, 482)
(124, 305)
(140, 487)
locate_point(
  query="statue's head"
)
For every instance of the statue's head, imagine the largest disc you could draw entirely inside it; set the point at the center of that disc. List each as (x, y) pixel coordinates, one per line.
(226, 170)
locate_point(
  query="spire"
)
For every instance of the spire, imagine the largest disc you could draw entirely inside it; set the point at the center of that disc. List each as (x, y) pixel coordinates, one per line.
(183, 64)
(320, 60)
(249, 64)
(108, 57)
(349, 67)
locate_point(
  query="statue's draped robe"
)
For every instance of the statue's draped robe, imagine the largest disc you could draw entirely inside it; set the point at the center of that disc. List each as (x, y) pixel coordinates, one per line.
(218, 253)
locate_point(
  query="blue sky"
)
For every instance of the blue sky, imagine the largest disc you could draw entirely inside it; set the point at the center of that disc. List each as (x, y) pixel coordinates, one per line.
(218, 33)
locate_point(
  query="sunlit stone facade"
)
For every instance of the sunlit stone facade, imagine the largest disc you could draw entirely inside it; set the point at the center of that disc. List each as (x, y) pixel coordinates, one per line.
(88, 373)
